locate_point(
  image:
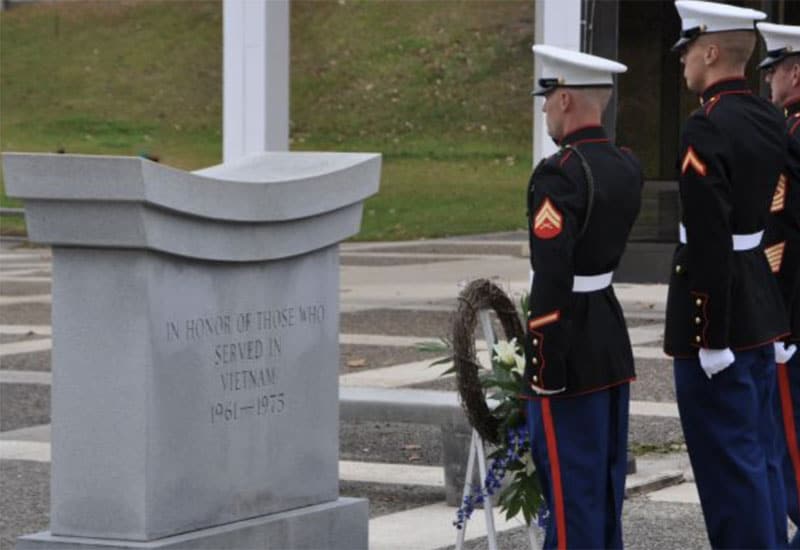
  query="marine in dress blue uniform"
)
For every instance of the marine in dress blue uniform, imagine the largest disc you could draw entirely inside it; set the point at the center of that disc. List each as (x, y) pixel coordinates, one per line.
(724, 308)
(582, 203)
(782, 247)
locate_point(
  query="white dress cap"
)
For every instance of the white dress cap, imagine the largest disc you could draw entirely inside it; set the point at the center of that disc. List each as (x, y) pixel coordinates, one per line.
(568, 68)
(703, 17)
(782, 41)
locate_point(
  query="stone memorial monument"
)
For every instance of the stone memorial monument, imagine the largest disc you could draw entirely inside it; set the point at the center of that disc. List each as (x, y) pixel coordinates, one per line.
(195, 348)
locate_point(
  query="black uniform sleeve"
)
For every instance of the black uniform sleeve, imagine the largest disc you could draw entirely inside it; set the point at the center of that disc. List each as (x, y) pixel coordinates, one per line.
(554, 220)
(707, 205)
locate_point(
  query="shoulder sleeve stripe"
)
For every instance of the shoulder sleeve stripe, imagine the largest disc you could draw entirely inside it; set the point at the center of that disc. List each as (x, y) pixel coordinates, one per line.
(775, 256)
(690, 159)
(779, 198)
(543, 320)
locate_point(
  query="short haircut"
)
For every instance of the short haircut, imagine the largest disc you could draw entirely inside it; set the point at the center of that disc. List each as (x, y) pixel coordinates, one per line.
(736, 47)
(790, 61)
(595, 97)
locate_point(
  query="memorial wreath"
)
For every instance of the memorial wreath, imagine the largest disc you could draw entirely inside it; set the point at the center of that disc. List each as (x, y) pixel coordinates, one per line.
(510, 473)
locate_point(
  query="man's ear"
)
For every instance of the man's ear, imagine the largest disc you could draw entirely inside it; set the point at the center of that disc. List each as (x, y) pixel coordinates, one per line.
(711, 54)
(564, 100)
(795, 75)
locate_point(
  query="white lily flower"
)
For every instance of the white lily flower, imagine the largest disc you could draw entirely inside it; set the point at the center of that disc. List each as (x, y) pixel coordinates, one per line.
(520, 367)
(506, 352)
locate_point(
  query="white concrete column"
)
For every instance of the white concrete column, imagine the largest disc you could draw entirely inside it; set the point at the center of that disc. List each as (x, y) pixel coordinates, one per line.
(558, 22)
(256, 77)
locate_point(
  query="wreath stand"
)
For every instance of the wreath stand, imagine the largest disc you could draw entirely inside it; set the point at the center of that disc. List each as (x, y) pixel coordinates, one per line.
(479, 297)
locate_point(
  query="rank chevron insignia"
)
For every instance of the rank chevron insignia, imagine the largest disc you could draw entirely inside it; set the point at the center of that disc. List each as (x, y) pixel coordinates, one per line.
(548, 221)
(691, 159)
(779, 199)
(775, 256)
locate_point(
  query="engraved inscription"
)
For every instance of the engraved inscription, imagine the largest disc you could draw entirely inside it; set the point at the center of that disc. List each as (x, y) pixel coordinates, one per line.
(246, 354)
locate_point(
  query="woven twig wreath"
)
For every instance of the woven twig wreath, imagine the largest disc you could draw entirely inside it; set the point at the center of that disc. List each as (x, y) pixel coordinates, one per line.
(479, 294)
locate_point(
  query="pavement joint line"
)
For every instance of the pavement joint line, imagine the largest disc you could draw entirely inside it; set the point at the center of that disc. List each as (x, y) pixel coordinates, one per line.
(420, 255)
(24, 255)
(26, 299)
(19, 266)
(35, 451)
(397, 474)
(44, 378)
(15, 279)
(401, 375)
(392, 341)
(647, 484)
(428, 242)
(21, 272)
(662, 409)
(683, 493)
(43, 330)
(357, 306)
(40, 433)
(28, 346)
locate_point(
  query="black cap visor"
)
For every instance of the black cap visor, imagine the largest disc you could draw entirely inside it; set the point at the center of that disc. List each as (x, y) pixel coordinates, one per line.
(544, 89)
(686, 37)
(546, 85)
(775, 56)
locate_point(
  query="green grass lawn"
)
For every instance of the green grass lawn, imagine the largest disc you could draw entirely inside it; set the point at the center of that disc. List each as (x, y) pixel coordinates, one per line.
(439, 87)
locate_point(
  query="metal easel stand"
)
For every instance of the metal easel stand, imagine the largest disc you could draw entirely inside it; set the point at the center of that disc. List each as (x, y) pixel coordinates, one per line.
(477, 450)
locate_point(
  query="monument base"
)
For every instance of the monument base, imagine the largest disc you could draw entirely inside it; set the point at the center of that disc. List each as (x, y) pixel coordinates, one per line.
(342, 524)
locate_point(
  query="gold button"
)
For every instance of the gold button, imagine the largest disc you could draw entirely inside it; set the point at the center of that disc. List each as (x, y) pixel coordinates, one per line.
(535, 361)
(535, 341)
(677, 269)
(697, 339)
(697, 320)
(698, 302)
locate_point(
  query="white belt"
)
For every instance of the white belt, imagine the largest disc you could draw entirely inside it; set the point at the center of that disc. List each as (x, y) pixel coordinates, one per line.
(747, 241)
(588, 283)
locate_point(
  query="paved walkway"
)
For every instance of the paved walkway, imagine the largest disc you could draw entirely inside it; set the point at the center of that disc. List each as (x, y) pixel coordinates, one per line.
(421, 279)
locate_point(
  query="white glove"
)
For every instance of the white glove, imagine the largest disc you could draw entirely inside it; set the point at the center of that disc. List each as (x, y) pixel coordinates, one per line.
(783, 352)
(715, 360)
(542, 391)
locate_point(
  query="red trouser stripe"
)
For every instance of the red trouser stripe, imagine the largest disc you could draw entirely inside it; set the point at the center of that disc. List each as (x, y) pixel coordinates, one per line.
(555, 474)
(788, 422)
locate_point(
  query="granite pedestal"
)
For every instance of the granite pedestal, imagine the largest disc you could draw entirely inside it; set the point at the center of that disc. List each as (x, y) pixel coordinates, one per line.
(195, 348)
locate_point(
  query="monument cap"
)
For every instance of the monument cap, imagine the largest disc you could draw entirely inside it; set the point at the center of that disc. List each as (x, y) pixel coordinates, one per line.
(782, 41)
(707, 17)
(568, 68)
